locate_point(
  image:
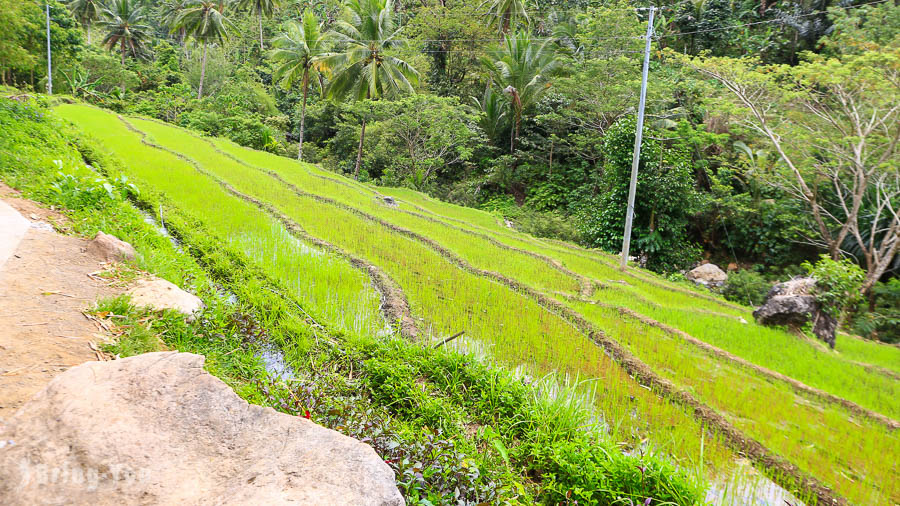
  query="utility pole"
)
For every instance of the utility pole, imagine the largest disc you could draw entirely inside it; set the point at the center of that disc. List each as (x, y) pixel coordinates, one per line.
(629, 211)
(49, 60)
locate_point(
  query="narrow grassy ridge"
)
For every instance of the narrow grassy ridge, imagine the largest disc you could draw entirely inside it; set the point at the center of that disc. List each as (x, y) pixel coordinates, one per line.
(671, 362)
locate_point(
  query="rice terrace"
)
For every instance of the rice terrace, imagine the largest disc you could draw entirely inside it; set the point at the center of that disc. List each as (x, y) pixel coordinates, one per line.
(362, 252)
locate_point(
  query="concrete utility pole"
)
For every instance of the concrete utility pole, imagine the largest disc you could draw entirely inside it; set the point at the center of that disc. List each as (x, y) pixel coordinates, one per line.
(629, 211)
(49, 60)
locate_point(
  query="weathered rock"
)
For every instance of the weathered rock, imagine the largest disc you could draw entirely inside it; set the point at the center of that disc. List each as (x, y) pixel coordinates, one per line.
(160, 294)
(794, 303)
(707, 275)
(158, 429)
(110, 248)
(390, 201)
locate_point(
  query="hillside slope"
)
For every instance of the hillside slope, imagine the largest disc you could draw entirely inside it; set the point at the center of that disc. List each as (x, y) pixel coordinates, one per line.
(679, 372)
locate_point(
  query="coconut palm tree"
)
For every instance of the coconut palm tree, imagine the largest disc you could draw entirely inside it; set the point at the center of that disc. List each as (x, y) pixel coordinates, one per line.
(522, 69)
(506, 13)
(86, 12)
(299, 50)
(205, 22)
(260, 8)
(363, 69)
(169, 12)
(127, 30)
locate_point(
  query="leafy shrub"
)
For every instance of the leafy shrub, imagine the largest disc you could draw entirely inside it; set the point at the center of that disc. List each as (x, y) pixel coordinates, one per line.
(666, 197)
(746, 287)
(550, 224)
(883, 323)
(838, 283)
(79, 192)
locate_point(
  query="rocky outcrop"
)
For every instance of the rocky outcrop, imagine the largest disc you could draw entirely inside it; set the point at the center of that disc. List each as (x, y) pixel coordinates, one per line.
(160, 294)
(110, 248)
(707, 275)
(794, 303)
(158, 429)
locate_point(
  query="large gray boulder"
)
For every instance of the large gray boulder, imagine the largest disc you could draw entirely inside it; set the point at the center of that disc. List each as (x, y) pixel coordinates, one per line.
(793, 303)
(158, 429)
(707, 275)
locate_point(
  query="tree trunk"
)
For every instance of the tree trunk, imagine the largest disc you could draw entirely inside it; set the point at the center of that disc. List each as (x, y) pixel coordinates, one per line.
(551, 156)
(87, 31)
(123, 68)
(202, 73)
(260, 34)
(362, 136)
(303, 116)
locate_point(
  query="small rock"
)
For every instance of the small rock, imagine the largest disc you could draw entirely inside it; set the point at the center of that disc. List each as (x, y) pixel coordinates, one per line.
(158, 429)
(34, 216)
(390, 201)
(42, 225)
(732, 267)
(160, 294)
(707, 275)
(110, 248)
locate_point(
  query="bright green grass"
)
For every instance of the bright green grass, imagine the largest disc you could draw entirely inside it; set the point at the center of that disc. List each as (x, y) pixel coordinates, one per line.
(707, 320)
(518, 345)
(862, 350)
(447, 299)
(780, 435)
(339, 293)
(775, 349)
(826, 442)
(488, 256)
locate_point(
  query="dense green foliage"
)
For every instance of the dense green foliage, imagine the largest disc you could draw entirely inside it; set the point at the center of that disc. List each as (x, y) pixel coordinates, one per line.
(883, 322)
(667, 199)
(746, 287)
(838, 283)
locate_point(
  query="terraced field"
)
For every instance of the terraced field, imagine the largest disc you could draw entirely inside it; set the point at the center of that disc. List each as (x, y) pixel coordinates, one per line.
(669, 369)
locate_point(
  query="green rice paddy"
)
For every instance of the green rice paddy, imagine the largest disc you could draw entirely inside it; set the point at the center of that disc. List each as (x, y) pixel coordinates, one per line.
(854, 456)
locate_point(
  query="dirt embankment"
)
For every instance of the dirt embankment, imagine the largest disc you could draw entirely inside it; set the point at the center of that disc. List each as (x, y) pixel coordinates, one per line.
(45, 284)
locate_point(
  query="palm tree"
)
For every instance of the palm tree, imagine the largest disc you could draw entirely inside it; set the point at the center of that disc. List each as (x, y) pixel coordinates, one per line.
(299, 50)
(506, 13)
(363, 69)
(260, 8)
(205, 22)
(522, 69)
(169, 12)
(86, 12)
(126, 28)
